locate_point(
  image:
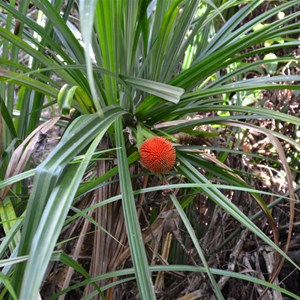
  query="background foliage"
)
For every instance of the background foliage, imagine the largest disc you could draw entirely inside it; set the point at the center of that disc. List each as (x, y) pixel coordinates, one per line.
(84, 83)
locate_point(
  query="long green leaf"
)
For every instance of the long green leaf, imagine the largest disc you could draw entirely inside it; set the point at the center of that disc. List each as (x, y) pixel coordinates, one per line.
(184, 268)
(79, 134)
(134, 233)
(87, 13)
(27, 82)
(215, 195)
(162, 90)
(34, 53)
(52, 220)
(192, 234)
(6, 282)
(67, 37)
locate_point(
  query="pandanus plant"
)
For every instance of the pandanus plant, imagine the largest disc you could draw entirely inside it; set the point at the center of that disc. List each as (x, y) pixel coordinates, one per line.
(130, 77)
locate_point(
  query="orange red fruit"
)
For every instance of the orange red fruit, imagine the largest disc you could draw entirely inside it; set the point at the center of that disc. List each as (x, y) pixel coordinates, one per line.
(157, 154)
